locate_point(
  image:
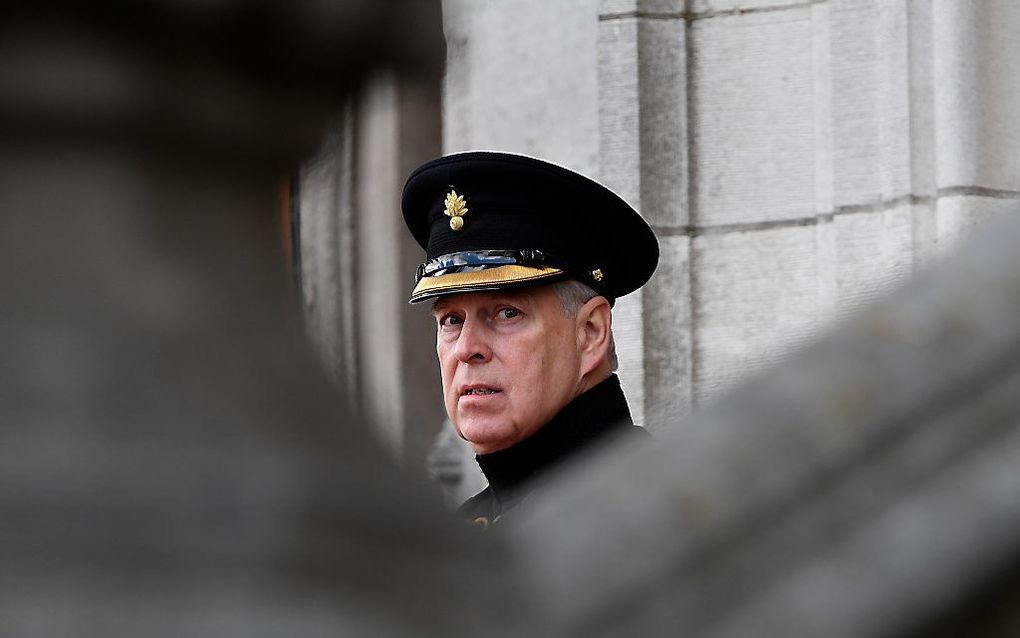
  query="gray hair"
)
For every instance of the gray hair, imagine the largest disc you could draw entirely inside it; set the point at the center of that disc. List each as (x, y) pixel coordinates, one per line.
(573, 294)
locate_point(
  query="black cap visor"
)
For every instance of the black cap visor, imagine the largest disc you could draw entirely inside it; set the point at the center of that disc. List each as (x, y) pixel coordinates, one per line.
(472, 271)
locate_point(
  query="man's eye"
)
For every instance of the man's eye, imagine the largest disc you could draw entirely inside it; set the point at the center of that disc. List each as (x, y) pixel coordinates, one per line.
(450, 320)
(508, 313)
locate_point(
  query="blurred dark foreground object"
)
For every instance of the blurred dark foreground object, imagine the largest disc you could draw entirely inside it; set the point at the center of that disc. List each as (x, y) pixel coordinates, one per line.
(242, 82)
(173, 462)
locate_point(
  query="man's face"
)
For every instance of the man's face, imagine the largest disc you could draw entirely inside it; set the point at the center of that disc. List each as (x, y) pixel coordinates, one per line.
(509, 362)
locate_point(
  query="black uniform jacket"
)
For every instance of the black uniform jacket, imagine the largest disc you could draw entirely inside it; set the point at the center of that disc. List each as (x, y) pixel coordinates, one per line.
(593, 416)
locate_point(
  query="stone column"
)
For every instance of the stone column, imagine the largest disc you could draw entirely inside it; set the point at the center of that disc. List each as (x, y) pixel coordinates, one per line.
(977, 143)
(358, 261)
(643, 151)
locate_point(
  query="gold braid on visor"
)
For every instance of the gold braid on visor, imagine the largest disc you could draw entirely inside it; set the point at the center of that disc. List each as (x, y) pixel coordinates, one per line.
(485, 279)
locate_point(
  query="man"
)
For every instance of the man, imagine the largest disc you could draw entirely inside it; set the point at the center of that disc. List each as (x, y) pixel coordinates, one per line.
(524, 260)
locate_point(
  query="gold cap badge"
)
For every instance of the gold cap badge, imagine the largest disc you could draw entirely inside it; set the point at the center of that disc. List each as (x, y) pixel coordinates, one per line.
(455, 209)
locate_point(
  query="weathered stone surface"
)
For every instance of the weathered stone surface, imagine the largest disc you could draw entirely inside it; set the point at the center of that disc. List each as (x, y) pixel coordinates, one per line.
(874, 251)
(643, 149)
(656, 7)
(663, 122)
(871, 101)
(925, 233)
(522, 56)
(894, 96)
(957, 215)
(821, 82)
(754, 297)
(826, 256)
(457, 103)
(619, 108)
(751, 81)
(667, 331)
(855, 104)
(976, 102)
(619, 112)
(706, 9)
(921, 63)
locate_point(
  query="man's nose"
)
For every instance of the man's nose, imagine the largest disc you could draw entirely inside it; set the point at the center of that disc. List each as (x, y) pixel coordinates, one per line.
(473, 343)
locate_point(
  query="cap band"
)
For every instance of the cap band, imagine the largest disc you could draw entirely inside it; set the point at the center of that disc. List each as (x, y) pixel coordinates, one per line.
(494, 278)
(474, 260)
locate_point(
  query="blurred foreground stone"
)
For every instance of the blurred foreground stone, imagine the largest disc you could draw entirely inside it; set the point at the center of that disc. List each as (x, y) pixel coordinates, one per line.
(172, 460)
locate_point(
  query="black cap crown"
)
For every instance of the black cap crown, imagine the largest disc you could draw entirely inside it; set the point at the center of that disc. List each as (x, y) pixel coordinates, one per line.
(491, 221)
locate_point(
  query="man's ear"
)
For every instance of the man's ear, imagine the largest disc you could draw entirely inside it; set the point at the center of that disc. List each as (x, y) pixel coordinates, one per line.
(594, 327)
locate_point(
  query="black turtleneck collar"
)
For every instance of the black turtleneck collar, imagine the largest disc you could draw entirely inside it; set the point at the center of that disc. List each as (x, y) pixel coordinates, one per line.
(590, 416)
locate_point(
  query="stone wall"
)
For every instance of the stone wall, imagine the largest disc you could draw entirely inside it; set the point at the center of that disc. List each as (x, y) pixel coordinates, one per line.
(796, 159)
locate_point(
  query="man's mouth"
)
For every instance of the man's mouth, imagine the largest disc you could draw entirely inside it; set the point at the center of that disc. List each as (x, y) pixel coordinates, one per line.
(473, 390)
